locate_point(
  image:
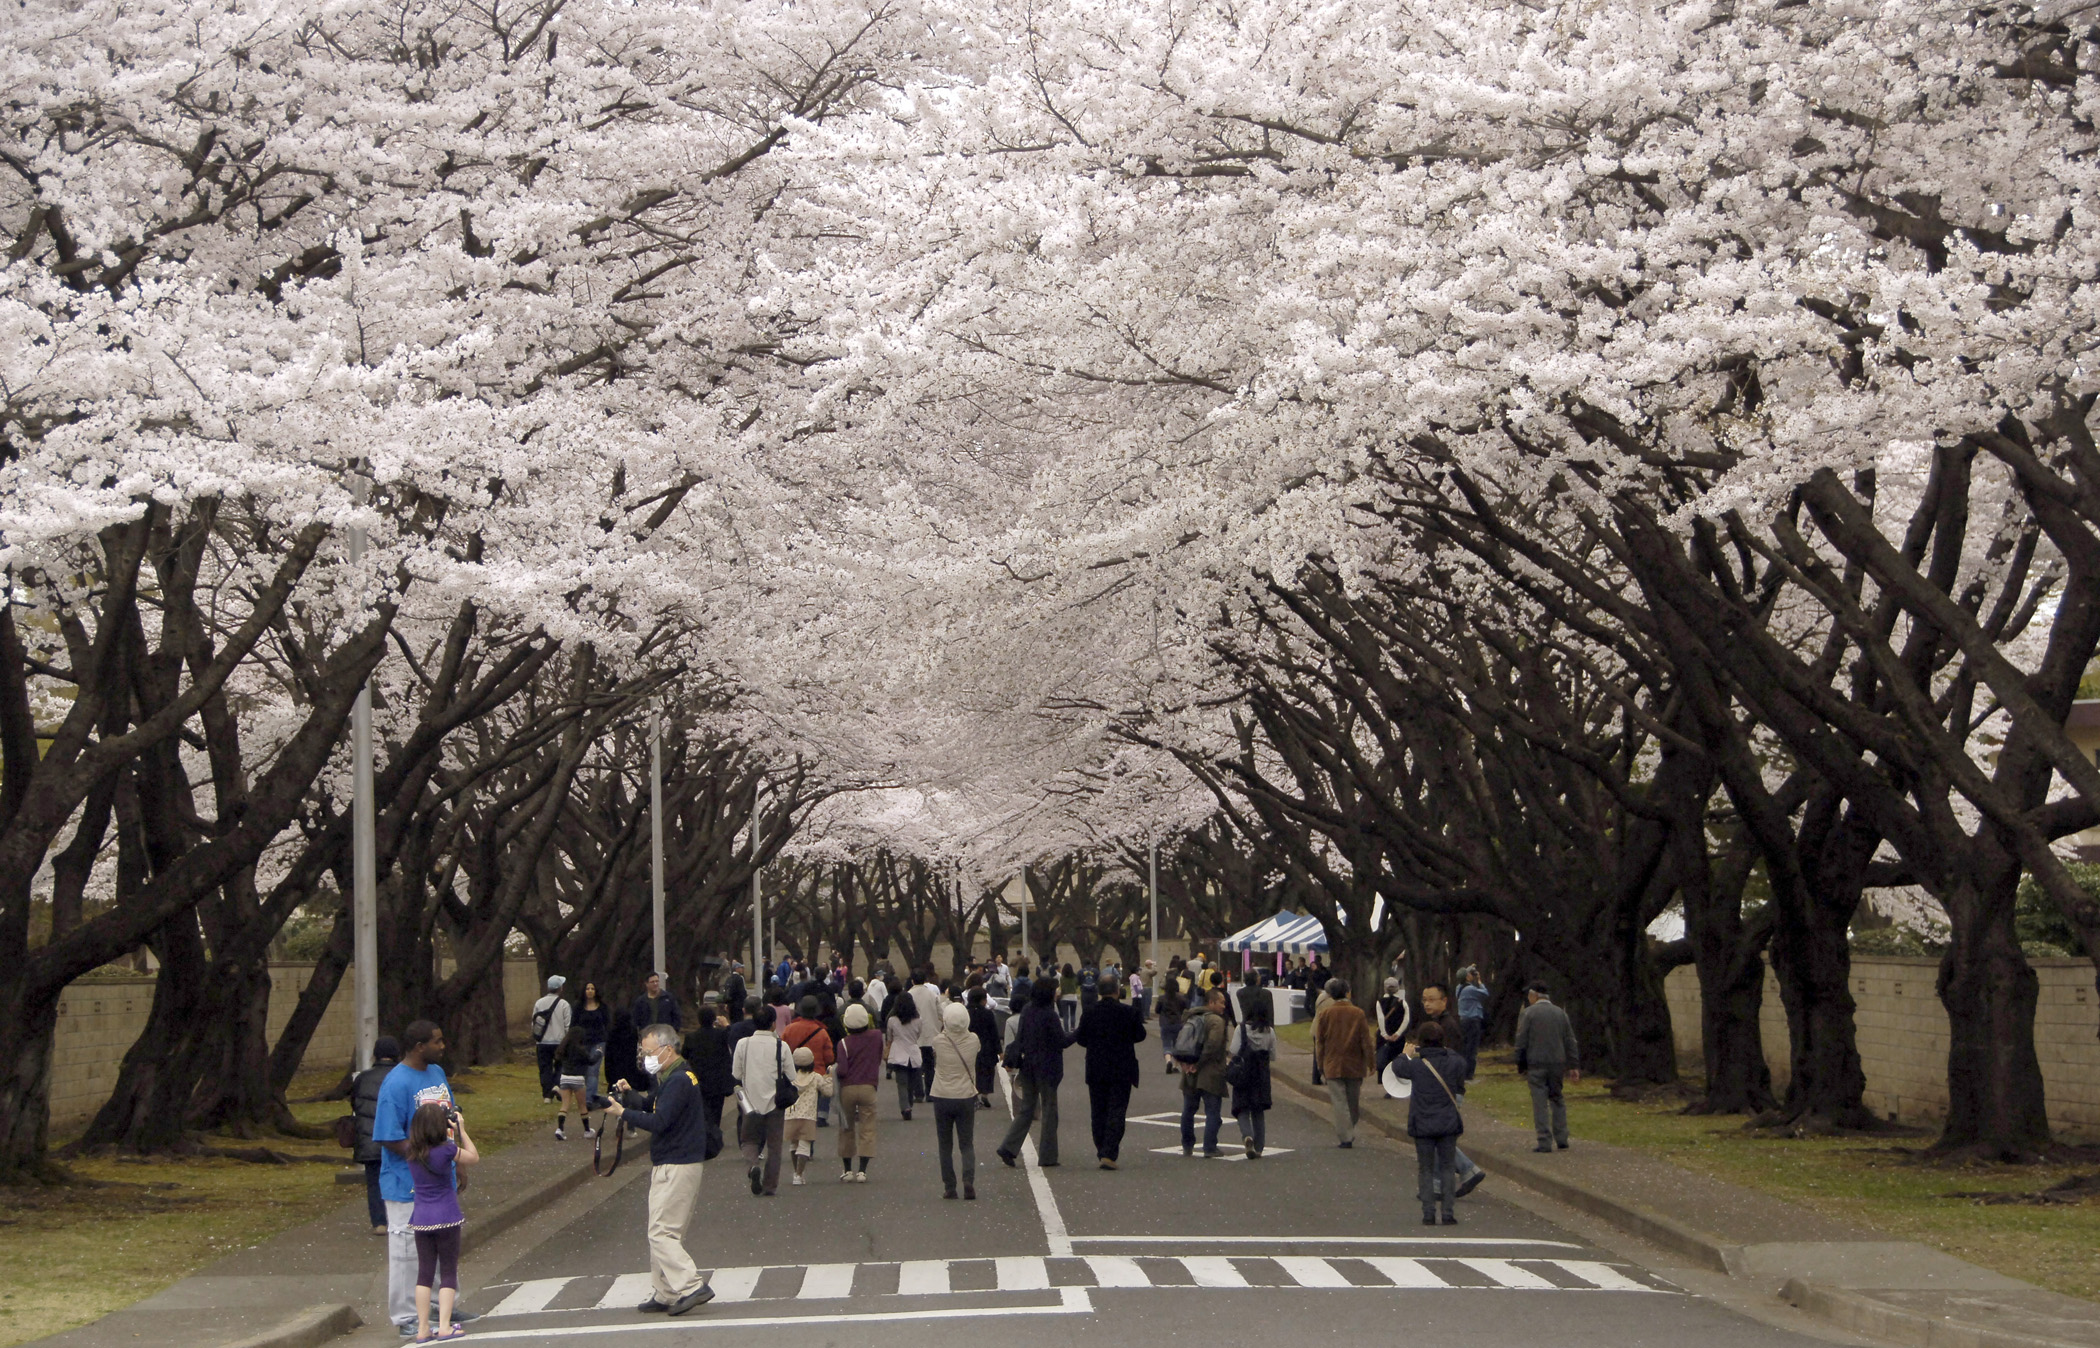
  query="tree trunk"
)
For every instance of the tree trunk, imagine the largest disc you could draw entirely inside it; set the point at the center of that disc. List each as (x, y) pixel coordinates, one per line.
(147, 1110)
(1996, 1103)
(478, 1034)
(229, 1055)
(27, 1034)
(1731, 999)
(290, 1051)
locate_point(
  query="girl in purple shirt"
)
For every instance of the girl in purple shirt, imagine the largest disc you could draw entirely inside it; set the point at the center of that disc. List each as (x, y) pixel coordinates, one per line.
(437, 1145)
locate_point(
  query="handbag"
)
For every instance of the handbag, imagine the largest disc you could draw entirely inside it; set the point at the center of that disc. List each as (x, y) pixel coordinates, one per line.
(785, 1092)
(346, 1131)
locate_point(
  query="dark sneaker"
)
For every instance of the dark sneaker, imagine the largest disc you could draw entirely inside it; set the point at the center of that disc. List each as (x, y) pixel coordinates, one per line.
(969, 1193)
(1562, 1145)
(1471, 1182)
(653, 1307)
(758, 1180)
(1450, 1219)
(699, 1296)
(1542, 1148)
(1429, 1219)
(1006, 1156)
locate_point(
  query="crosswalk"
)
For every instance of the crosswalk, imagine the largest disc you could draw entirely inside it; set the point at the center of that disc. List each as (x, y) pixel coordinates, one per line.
(1112, 1272)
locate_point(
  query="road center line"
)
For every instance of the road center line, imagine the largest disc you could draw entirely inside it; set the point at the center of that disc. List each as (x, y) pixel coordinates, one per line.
(1039, 1184)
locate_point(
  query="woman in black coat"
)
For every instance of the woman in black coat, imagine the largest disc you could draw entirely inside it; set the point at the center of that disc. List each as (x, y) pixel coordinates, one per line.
(1039, 1048)
(986, 1027)
(1433, 1120)
(1110, 1032)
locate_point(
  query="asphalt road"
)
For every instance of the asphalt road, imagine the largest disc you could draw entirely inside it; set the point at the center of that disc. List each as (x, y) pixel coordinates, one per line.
(1310, 1244)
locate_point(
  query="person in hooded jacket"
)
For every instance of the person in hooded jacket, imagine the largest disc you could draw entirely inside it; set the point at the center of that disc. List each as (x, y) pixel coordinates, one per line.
(1433, 1119)
(364, 1105)
(953, 1095)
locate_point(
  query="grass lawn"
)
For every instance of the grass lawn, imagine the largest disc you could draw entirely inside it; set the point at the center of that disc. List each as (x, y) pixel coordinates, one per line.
(71, 1254)
(1881, 1183)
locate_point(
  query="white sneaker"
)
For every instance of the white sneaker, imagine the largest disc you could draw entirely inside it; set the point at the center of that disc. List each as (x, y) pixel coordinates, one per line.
(860, 1177)
(845, 1177)
(796, 1181)
(560, 1136)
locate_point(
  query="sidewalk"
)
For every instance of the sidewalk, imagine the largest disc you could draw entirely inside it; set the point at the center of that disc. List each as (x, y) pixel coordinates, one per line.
(1896, 1290)
(305, 1286)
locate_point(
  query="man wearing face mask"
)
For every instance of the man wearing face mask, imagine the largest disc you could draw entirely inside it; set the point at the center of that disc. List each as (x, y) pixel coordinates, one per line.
(676, 1121)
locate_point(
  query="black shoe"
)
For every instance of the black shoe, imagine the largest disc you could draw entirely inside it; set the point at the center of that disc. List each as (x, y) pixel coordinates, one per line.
(1046, 1165)
(969, 1193)
(653, 1307)
(758, 1180)
(1429, 1219)
(1542, 1148)
(907, 1116)
(1212, 1155)
(948, 1192)
(1562, 1145)
(1345, 1146)
(1450, 1219)
(1006, 1156)
(823, 1123)
(699, 1296)
(1471, 1182)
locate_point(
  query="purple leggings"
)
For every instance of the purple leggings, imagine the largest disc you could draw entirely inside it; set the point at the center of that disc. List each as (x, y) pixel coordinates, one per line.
(438, 1252)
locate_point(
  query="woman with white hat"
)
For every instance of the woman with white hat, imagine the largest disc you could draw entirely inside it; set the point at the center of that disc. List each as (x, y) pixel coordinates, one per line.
(858, 1068)
(954, 1097)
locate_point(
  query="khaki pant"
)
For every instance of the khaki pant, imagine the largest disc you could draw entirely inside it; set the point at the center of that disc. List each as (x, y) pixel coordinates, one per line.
(1345, 1095)
(856, 1121)
(673, 1190)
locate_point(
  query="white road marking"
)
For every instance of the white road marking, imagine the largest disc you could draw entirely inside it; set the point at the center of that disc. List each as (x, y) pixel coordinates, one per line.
(1115, 1270)
(734, 1284)
(922, 1278)
(530, 1296)
(1406, 1272)
(1212, 1270)
(1227, 1155)
(1310, 1272)
(1509, 1275)
(1025, 1274)
(1317, 1240)
(627, 1291)
(1604, 1276)
(1038, 1183)
(1032, 1273)
(826, 1282)
(1071, 1301)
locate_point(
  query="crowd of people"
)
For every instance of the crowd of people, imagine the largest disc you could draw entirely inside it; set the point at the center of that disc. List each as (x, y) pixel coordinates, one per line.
(814, 1042)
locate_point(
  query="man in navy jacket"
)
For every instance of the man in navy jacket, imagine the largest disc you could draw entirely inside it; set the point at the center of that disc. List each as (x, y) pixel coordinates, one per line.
(676, 1121)
(1109, 1032)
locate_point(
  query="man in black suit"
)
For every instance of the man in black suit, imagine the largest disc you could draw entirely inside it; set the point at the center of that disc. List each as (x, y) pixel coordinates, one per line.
(1110, 1032)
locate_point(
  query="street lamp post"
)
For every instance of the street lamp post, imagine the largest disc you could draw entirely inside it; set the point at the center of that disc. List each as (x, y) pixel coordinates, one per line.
(1152, 884)
(758, 912)
(1024, 912)
(364, 851)
(656, 837)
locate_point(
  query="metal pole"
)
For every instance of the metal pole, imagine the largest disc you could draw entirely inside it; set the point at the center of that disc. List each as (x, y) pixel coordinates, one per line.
(758, 912)
(364, 852)
(656, 836)
(1152, 883)
(1024, 913)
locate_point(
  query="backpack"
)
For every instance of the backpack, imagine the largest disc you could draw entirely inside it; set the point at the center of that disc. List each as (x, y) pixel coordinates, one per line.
(1188, 1040)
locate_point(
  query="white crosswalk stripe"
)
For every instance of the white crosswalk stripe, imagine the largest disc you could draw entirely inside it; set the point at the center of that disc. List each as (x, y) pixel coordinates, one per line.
(1036, 1274)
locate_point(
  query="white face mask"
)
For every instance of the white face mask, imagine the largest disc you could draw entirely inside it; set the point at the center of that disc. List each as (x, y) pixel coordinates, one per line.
(651, 1063)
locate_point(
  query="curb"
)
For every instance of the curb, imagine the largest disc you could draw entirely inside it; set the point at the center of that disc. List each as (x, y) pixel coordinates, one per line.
(1649, 1225)
(493, 1222)
(306, 1328)
(1861, 1313)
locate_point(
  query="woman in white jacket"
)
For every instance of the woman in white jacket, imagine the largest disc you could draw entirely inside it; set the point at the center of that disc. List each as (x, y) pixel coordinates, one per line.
(901, 1043)
(953, 1092)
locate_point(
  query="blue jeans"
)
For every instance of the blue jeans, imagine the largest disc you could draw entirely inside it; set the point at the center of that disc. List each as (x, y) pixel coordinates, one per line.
(1434, 1172)
(1213, 1110)
(1254, 1127)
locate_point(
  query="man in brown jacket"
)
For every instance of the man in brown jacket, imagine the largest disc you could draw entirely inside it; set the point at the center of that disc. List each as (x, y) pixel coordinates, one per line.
(1342, 1046)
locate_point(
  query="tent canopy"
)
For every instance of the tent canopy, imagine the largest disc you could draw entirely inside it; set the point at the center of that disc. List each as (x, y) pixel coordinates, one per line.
(1283, 934)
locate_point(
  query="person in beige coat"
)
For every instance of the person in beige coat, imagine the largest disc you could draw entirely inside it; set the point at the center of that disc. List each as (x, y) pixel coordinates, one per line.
(1343, 1050)
(954, 1098)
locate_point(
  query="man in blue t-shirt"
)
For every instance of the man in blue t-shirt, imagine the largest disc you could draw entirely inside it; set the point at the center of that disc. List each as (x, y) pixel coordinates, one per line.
(416, 1080)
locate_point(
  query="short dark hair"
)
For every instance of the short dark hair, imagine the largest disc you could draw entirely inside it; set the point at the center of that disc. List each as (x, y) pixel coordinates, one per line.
(1540, 988)
(1440, 987)
(1043, 992)
(419, 1033)
(1338, 988)
(1431, 1033)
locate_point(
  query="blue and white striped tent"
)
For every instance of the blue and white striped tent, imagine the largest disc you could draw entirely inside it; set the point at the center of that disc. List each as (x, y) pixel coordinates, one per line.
(1283, 934)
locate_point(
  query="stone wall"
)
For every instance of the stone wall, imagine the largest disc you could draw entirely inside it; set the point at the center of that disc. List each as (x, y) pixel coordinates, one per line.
(1903, 1038)
(100, 1019)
